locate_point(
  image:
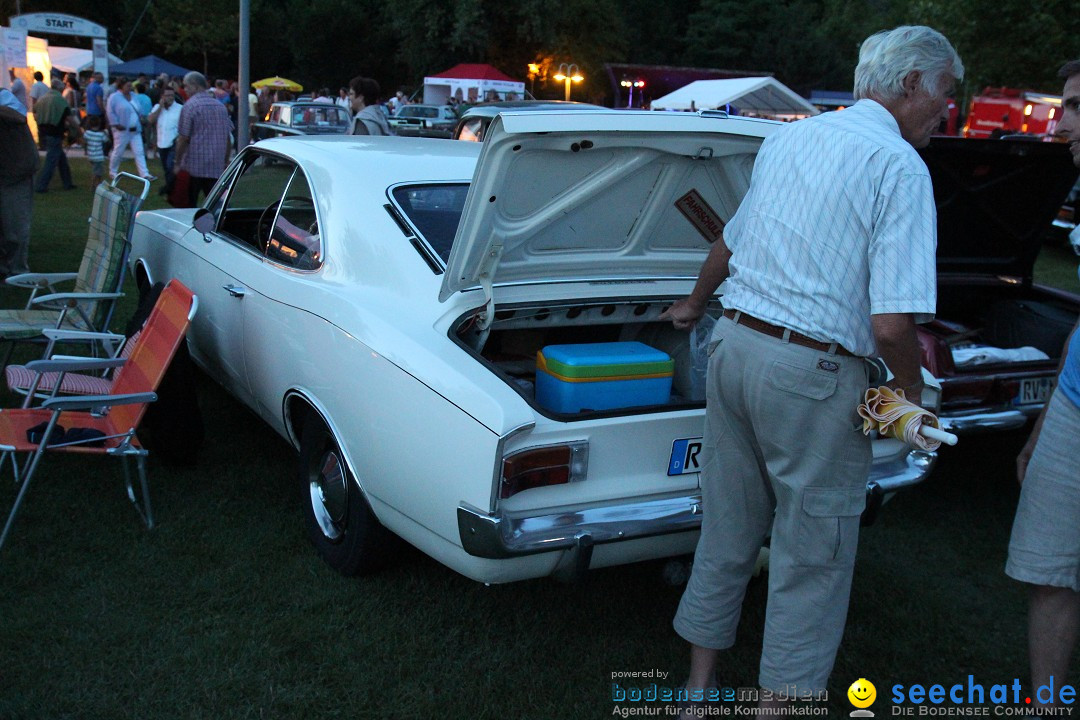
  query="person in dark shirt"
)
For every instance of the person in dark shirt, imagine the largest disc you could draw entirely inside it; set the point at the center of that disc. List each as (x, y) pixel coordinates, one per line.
(16, 189)
(54, 116)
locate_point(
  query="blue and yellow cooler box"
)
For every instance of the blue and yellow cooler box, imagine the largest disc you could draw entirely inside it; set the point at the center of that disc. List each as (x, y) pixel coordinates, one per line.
(602, 376)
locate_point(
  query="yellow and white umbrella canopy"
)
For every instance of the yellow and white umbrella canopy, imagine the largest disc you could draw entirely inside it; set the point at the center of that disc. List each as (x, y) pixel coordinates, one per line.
(278, 82)
(891, 414)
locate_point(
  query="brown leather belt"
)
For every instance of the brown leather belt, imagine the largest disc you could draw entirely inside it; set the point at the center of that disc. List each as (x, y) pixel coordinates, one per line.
(778, 332)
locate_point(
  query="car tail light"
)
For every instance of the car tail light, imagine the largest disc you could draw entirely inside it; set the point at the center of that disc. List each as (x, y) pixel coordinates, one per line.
(959, 393)
(544, 466)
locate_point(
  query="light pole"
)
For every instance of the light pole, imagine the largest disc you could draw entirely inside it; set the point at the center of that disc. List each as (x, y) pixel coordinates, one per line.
(631, 84)
(534, 70)
(568, 73)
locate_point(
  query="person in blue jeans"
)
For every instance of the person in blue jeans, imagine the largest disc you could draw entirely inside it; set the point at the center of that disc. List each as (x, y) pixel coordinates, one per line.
(166, 118)
(53, 115)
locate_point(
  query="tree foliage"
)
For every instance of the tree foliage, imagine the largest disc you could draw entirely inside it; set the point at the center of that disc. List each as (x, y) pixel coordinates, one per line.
(210, 33)
(806, 44)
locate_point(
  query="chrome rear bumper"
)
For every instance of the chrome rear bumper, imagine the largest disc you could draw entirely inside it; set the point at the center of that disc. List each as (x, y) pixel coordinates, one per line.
(504, 535)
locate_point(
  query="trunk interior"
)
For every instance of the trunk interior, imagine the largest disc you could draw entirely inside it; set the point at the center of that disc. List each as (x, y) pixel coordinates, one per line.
(517, 334)
(987, 337)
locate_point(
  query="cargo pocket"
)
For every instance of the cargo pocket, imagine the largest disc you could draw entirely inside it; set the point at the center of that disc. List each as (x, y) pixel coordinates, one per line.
(802, 381)
(829, 525)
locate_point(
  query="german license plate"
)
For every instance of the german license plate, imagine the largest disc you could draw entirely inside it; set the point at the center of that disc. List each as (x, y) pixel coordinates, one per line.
(1034, 390)
(685, 456)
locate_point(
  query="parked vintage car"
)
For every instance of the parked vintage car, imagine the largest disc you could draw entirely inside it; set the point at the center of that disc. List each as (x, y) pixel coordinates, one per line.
(474, 121)
(302, 118)
(380, 303)
(995, 199)
(424, 121)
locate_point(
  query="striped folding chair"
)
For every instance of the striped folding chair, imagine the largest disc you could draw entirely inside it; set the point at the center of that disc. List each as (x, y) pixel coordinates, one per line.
(22, 380)
(91, 303)
(100, 424)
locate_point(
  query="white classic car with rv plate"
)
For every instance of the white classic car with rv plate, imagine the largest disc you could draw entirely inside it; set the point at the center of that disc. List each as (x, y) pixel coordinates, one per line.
(382, 303)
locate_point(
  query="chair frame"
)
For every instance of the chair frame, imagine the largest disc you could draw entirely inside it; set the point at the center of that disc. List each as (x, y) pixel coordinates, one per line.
(66, 302)
(96, 406)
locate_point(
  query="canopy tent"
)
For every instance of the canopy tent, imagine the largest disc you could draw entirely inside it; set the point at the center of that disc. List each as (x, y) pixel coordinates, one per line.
(763, 96)
(470, 83)
(74, 60)
(150, 65)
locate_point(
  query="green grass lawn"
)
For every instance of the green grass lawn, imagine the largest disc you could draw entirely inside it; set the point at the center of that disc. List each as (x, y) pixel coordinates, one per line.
(224, 611)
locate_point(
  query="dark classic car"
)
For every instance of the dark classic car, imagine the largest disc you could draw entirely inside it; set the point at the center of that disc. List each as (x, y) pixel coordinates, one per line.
(995, 199)
(424, 121)
(302, 118)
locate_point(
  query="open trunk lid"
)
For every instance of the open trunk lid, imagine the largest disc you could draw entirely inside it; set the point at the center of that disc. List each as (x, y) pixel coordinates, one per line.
(995, 200)
(600, 196)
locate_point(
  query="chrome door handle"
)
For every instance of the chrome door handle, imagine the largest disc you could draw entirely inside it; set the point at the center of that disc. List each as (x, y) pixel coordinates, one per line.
(234, 290)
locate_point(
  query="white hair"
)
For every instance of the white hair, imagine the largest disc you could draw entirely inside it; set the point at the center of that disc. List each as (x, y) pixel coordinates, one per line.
(197, 79)
(887, 57)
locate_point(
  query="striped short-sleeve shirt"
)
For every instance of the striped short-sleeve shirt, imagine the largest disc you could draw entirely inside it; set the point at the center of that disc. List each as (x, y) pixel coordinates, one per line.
(839, 224)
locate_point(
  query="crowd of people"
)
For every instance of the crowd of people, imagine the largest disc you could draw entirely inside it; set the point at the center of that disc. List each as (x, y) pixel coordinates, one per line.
(140, 116)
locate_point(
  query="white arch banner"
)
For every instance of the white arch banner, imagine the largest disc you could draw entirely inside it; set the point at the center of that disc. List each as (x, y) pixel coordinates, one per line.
(57, 23)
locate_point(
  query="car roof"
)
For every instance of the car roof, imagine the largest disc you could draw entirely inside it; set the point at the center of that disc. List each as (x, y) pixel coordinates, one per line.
(350, 163)
(493, 109)
(290, 103)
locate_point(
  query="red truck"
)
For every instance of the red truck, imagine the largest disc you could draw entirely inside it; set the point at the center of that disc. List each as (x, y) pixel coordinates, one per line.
(1006, 111)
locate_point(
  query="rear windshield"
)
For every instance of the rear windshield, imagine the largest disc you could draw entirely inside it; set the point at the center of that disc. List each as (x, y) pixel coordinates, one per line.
(435, 211)
(420, 111)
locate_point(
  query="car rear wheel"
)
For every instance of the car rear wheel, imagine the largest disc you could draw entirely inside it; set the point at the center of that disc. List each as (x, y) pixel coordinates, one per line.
(337, 517)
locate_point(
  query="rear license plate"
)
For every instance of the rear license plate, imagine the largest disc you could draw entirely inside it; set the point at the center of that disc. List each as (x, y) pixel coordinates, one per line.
(685, 456)
(1035, 390)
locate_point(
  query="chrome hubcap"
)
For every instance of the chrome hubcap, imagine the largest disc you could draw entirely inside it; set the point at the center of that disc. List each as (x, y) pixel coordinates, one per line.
(330, 495)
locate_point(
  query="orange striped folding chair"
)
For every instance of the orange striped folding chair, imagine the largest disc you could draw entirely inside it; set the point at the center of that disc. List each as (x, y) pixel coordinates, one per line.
(100, 424)
(38, 385)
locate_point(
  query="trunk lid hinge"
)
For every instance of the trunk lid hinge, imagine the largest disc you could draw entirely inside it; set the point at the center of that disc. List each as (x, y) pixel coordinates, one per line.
(487, 274)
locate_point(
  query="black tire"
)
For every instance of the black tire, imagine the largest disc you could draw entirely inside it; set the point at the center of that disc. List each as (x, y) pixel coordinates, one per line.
(337, 517)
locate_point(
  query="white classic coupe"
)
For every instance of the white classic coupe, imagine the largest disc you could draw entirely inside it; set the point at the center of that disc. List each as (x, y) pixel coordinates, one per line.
(382, 303)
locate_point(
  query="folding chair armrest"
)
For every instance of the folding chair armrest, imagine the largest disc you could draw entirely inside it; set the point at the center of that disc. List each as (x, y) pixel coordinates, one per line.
(71, 363)
(40, 280)
(63, 335)
(58, 301)
(89, 402)
(145, 183)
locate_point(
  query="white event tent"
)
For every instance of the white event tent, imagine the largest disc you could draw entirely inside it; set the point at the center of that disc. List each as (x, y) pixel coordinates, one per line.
(75, 60)
(764, 96)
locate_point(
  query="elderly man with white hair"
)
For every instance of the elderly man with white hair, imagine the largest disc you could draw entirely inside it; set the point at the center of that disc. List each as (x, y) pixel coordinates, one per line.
(829, 259)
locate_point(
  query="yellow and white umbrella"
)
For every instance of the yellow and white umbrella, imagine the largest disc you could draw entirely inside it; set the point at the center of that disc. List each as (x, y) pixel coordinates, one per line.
(278, 82)
(890, 413)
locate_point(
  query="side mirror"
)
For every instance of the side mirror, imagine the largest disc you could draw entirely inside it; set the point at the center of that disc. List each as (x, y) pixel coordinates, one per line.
(204, 222)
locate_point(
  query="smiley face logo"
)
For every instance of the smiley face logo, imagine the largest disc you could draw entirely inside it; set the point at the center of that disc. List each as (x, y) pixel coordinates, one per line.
(862, 693)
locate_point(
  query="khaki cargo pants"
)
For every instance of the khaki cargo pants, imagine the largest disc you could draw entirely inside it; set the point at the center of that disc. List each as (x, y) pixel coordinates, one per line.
(783, 452)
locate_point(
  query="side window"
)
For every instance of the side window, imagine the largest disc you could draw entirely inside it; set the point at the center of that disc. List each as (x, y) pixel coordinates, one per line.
(295, 240)
(472, 130)
(252, 206)
(435, 211)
